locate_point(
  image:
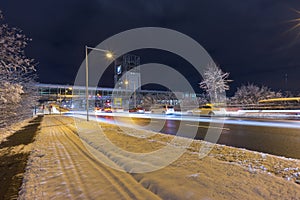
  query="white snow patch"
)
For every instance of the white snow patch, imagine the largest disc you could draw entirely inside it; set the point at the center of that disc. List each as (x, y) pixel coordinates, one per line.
(193, 175)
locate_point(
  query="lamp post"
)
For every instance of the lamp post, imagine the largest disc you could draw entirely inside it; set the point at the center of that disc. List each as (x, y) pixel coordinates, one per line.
(108, 55)
(134, 95)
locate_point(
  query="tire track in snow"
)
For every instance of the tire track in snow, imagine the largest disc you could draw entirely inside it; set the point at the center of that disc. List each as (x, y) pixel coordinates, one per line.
(124, 183)
(75, 146)
(73, 180)
(111, 178)
(71, 171)
(60, 161)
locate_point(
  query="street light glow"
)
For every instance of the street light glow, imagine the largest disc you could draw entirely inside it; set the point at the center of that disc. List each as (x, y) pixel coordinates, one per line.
(109, 55)
(297, 23)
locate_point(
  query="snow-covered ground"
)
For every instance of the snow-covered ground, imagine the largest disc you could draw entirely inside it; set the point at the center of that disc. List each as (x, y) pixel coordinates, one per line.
(63, 166)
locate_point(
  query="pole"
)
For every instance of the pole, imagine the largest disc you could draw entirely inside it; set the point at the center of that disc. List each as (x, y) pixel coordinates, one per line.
(134, 95)
(108, 55)
(286, 82)
(87, 83)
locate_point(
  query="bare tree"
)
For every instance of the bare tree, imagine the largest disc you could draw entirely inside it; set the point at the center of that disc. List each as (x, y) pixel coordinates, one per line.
(215, 82)
(251, 94)
(17, 75)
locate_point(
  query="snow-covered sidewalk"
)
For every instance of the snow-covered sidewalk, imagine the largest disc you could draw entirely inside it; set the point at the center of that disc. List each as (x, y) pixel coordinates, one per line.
(61, 167)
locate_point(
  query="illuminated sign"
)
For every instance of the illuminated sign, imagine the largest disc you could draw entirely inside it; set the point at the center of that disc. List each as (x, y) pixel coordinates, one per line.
(119, 69)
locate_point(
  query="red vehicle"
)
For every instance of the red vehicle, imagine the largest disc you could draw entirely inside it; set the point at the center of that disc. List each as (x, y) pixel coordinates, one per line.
(137, 110)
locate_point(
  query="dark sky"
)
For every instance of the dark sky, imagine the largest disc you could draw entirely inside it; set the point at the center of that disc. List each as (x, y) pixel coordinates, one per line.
(249, 39)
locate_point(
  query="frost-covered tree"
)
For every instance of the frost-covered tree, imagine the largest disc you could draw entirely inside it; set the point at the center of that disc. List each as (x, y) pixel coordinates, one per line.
(215, 82)
(17, 75)
(148, 101)
(251, 94)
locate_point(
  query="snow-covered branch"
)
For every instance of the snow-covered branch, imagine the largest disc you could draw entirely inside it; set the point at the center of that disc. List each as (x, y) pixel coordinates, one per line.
(17, 76)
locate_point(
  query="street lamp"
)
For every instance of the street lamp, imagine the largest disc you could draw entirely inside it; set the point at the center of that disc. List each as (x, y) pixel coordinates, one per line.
(108, 55)
(126, 83)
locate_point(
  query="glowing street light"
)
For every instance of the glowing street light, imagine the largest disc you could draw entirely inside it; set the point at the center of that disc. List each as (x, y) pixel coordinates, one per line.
(126, 83)
(109, 55)
(297, 23)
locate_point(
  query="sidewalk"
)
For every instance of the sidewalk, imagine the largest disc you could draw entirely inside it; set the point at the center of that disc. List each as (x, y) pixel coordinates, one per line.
(62, 167)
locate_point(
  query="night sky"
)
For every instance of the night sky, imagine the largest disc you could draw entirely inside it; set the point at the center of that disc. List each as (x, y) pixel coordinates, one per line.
(249, 39)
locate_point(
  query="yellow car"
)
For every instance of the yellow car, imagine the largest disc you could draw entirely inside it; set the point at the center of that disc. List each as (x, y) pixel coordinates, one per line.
(206, 110)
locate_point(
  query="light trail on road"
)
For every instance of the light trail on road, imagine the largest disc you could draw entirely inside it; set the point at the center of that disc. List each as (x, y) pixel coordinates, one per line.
(226, 120)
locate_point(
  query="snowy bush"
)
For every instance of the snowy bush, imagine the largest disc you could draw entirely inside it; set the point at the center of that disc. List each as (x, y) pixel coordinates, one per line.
(251, 94)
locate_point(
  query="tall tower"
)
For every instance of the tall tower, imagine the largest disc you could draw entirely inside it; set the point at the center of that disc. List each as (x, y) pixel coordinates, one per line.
(125, 79)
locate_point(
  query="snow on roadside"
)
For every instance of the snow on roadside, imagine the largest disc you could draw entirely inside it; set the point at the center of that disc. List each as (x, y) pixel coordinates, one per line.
(253, 161)
(232, 172)
(286, 168)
